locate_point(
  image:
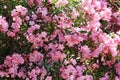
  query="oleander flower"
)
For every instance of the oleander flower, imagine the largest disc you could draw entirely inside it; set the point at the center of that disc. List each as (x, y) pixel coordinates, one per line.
(3, 24)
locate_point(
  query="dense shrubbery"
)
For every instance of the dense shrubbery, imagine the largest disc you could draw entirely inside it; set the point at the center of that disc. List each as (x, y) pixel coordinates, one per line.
(60, 39)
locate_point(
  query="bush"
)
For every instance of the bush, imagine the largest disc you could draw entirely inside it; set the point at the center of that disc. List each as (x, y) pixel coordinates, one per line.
(60, 40)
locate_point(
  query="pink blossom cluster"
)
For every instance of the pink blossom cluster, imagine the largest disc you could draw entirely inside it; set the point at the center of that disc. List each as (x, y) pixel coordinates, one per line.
(66, 42)
(3, 27)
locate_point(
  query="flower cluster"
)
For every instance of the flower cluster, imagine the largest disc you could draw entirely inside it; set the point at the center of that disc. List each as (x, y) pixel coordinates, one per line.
(60, 39)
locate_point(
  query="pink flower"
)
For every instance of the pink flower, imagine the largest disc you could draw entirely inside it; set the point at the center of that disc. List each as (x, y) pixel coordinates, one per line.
(49, 78)
(3, 24)
(21, 74)
(106, 77)
(96, 4)
(75, 14)
(85, 52)
(31, 3)
(38, 71)
(60, 46)
(68, 73)
(73, 39)
(43, 73)
(64, 21)
(16, 27)
(42, 11)
(117, 67)
(13, 70)
(32, 74)
(97, 51)
(14, 60)
(116, 78)
(43, 34)
(80, 70)
(87, 77)
(57, 56)
(32, 28)
(49, 1)
(39, 2)
(36, 56)
(94, 25)
(22, 10)
(34, 16)
(31, 23)
(107, 14)
(111, 44)
(3, 74)
(27, 18)
(17, 59)
(118, 21)
(17, 20)
(73, 61)
(10, 33)
(95, 66)
(14, 13)
(61, 3)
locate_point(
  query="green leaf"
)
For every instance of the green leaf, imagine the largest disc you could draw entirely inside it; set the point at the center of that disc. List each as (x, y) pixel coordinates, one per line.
(54, 1)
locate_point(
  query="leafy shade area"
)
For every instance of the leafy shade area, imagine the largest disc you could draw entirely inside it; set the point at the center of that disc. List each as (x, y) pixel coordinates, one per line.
(59, 40)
